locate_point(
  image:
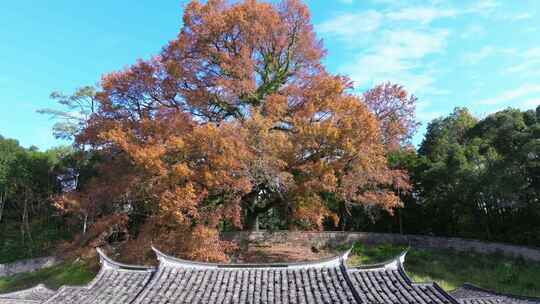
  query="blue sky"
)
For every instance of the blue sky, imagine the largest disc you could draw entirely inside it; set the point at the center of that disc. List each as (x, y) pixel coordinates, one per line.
(482, 54)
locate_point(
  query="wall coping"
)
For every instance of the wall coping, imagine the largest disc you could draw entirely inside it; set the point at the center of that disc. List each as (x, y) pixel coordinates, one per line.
(28, 265)
(333, 238)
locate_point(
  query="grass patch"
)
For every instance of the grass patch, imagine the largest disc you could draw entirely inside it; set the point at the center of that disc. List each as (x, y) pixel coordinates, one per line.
(77, 273)
(451, 269)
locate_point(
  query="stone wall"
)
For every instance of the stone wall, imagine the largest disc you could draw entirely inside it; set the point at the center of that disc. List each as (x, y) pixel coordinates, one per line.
(27, 265)
(323, 239)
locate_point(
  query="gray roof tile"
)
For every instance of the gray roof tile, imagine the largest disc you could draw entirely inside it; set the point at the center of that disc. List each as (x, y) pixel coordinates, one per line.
(110, 286)
(36, 294)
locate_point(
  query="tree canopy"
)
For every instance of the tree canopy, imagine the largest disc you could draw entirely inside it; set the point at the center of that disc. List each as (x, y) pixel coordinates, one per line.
(28, 179)
(478, 178)
(235, 118)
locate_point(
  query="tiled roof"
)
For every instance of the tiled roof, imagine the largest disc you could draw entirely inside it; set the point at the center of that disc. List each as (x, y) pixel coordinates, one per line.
(388, 283)
(181, 281)
(115, 283)
(469, 294)
(37, 294)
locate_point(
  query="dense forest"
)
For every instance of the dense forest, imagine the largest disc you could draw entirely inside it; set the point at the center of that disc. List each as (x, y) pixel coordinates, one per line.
(29, 221)
(474, 178)
(237, 125)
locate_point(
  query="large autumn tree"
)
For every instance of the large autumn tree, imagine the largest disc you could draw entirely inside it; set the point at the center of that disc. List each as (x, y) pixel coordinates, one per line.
(234, 117)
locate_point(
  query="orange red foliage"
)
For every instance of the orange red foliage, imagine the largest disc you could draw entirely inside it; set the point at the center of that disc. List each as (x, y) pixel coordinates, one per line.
(235, 116)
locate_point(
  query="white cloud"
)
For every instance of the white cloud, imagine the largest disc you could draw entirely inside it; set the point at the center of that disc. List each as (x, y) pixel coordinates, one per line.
(424, 114)
(428, 13)
(398, 56)
(484, 7)
(473, 31)
(423, 15)
(522, 67)
(410, 44)
(348, 26)
(399, 42)
(485, 52)
(520, 16)
(533, 53)
(529, 60)
(512, 95)
(391, 55)
(476, 57)
(491, 8)
(531, 103)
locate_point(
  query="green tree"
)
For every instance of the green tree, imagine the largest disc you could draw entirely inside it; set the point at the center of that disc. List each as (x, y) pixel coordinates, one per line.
(480, 178)
(76, 112)
(8, 151)
(508, 186)
(28, 180)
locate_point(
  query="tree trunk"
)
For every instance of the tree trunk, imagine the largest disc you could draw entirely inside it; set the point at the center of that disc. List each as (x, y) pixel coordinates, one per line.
(400, 219)
(253, 215)
(252, 219)
(23, 220)
(25, 225)
(3, 198)
(85, 223)
(487, 222)
(256, 228)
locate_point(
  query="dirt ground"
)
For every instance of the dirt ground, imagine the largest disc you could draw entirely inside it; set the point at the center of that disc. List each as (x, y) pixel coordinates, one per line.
(277, 253)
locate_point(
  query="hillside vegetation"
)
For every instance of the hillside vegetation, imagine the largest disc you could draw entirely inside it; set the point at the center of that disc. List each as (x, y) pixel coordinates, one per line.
(451, 269)
(77, 273)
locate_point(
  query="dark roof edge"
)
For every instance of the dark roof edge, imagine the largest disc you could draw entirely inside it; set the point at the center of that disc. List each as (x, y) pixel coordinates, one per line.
(347, 276)
(495, 293)
(395, 264)
(110, 263)
(335, 261)
(403, 273)
(399, 263)
(445, 293)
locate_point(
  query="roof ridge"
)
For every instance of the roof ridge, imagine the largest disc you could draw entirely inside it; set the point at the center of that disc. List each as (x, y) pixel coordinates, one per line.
(107, 262)
(334, 261)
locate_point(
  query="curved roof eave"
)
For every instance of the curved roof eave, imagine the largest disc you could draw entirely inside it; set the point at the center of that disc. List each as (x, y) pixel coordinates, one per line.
(398, 264)
(168, 260)
(109, 263)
